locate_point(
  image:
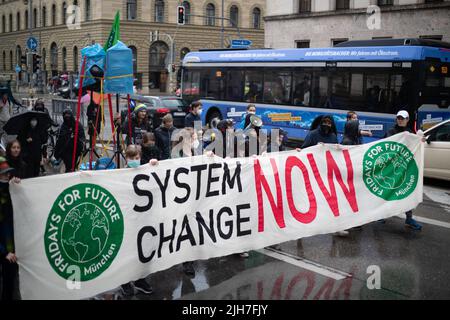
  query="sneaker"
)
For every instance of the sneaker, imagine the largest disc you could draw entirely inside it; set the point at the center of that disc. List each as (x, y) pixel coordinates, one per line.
(410, 222)
(244, 255)
(188, 269)
(142, 286)
(342, 233)
(127, 289)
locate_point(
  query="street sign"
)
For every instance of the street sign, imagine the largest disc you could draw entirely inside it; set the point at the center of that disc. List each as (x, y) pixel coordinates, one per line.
(32, 43)
(18, 69)
(240, 43)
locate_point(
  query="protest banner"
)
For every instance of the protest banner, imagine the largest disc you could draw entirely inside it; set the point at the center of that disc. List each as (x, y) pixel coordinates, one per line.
(84, 233)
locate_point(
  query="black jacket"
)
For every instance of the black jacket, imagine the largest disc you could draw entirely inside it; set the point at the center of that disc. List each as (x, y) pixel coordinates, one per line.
(352, 134)
(163, 141)
(137, 130)
(315, 136)
(396, 129)
(19, 166)
(65, 140)
(149, 153)
(6, 221)
(190, 119)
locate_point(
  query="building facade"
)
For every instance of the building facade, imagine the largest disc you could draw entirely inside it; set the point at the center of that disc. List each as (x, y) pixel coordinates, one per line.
(148, 27)
(324, 23)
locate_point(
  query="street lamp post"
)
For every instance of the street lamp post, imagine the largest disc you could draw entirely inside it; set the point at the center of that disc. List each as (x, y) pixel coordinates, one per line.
(222, 43)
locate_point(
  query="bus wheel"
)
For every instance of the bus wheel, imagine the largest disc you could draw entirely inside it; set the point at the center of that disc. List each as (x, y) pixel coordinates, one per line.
(213, 119)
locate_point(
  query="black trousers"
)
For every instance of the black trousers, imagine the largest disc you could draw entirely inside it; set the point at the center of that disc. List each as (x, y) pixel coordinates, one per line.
(8, 275)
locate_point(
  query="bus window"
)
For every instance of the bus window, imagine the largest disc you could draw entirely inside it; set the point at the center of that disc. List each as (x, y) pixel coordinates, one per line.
(191, 83)
(302, 89)
(375, 95)
(340, 89)
(253, 86)
(277, 87)
(235, 85)
(319, 89)
(213, 81)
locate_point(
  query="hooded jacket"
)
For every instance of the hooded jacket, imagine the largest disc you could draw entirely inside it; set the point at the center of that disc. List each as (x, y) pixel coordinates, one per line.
(163, 138)
(352, 134)
(65, 140)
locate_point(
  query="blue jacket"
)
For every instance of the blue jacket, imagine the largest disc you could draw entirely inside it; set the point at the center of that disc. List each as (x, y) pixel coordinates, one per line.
(190, 119)
(315, 136)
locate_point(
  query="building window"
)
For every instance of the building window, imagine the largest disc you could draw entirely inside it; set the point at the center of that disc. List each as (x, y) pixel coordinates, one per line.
(18, 21)
(210, 15)
(11, 61)
(159, 11)
(184, 52)
(385, 2)
(3, 24)
(187, 12)
(234, 16)
(436, 37)
(335, 42)
(88, 10)
(304, 6)
(54, 57)
(342, 4)
(302, 43)
(18, 55)
(256, 18)
(64, 59)
(4, 61)
(75, 59)
(64, 11)
(131, 9)
(44, 16)
(35, 18)
(10, 23)
(53, 15)
(26, 19)
(158, 61)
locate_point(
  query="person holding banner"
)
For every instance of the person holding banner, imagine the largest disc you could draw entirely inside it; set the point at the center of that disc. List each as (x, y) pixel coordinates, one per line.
(193, 115)
(325, 133)
(7, 253)
(163, 136)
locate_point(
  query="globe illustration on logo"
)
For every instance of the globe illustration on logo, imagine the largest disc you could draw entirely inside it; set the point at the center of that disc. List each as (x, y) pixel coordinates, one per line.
(390, 170)
(85, 232)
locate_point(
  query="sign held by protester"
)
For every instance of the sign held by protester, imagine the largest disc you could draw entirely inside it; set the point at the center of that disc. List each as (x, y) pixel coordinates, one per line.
(102, 229)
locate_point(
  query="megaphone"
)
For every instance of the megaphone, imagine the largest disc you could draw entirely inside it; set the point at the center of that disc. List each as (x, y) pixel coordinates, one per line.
(255, 123)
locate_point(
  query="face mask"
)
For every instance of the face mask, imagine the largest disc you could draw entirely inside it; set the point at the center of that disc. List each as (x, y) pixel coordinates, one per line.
(251, 112)
(195, 144)
(134, 163)
(325, 129)
(199, 112)
(33, 123)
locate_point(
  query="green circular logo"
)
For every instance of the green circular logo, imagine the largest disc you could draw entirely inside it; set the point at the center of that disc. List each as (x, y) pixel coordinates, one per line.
(84, 230)
(390, 170)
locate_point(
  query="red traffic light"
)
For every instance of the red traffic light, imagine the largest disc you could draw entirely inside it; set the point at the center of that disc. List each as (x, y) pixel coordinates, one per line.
(181, 15)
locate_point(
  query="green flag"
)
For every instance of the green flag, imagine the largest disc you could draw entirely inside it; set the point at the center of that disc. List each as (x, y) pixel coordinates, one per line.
(114, 36)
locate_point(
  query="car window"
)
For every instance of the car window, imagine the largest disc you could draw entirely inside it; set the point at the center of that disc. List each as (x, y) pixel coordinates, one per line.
(442, 133)
(172, 103)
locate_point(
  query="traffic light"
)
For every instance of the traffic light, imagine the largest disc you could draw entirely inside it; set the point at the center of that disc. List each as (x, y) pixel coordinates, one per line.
(181, 15)
(23, 60)
(36, 62)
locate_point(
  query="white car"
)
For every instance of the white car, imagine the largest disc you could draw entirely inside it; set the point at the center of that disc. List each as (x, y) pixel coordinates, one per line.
(437, 151)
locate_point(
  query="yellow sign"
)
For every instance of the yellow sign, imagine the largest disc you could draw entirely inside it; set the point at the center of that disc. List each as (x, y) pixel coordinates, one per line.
(276, 117)
(432, 68)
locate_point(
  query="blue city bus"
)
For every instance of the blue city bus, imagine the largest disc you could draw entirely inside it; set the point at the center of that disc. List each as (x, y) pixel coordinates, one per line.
(291, 87)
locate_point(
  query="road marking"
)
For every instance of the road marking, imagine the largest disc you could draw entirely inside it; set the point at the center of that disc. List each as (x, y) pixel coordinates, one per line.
(305, 264)
(428, 221)
(440, 196)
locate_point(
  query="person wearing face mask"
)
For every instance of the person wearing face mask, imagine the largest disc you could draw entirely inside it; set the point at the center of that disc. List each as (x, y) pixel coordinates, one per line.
(251, 110)
(65, 140)
(15, 159)
(8, 259)
(32, 138)
(194, 115)
(5, 112)
(163, 136)
(325, 133)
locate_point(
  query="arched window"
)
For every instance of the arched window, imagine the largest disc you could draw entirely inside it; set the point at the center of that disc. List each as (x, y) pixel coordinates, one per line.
(210, 15)
(18, 21)
(64, 11)
(35, 18)
(256, 18)
(158, 61)
(64, 58)
(159, 10)
(44, 58)
(54, 57)
(3, 24)
(184, 52)
(131, 9)
(44, 16)
(4, 61)
(88, 10)
(26, 19)
(53, 15)
(75, 59)
(10, 22)
(187, 12)
(11, 60)
(134, 52)
(234, 16)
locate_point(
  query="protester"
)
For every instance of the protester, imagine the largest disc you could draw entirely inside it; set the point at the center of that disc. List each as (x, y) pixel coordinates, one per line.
(140, 124)
(279, 144)
(5, 112)
(352, 115)
(133, 158)
(163, 136)
(9, 268)
(193, 115)
(325, 133)
(149, 148)
(66, 138)
(251, 110)
(32, 139)
(352, 135)
(402, 126)
(15, 160)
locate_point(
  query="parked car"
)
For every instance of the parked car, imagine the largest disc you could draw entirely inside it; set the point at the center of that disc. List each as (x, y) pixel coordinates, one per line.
(163, 105)
(437, 151)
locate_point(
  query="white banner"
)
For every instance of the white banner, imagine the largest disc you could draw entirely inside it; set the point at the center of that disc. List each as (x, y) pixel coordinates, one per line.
(84, 233)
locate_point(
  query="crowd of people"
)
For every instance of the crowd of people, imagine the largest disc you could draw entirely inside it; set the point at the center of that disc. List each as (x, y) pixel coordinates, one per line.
(145, 144)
